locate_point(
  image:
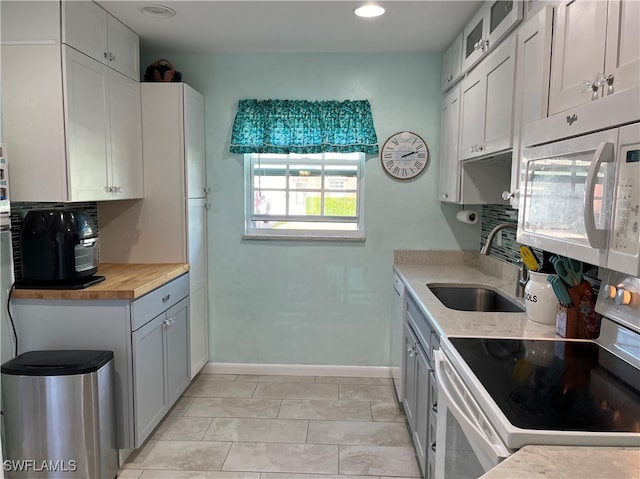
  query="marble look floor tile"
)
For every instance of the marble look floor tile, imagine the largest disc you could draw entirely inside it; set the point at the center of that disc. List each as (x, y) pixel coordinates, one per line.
(328, 410)
(129, 474)
(275, 378)
(358, 433)
(220, 389)
(296, 391)
(180, 406)
(366, 392)
(182, 429)
(378, 460)
(281, 475)
(352, 380)
(270, 457)
(258, 430)
(229, 407)
(387, 411)
(216, 377)
(198, 475)
(179, 455)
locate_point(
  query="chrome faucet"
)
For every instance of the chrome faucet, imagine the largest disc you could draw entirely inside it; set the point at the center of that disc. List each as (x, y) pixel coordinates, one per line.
(523, 273)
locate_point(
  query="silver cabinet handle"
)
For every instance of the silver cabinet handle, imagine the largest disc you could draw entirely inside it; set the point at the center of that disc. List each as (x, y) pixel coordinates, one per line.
(106, 55)
(166, 298)
(444, 196)
(507, 195)
(591, 87)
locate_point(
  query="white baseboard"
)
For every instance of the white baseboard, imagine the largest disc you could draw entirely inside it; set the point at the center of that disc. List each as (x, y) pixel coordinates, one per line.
(297, 370)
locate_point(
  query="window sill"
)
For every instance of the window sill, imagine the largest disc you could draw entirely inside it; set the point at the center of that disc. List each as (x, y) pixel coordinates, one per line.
(306, 237)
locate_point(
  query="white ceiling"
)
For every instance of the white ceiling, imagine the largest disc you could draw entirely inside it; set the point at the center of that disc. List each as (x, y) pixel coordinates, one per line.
(265, 26)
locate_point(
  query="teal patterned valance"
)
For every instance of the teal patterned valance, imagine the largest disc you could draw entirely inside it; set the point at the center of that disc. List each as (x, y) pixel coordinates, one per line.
(300, 126)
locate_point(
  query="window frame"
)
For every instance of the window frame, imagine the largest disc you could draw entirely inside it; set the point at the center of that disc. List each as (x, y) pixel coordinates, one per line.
(319, 159)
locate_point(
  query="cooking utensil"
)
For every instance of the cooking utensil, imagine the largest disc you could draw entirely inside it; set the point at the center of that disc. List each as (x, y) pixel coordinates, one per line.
(570, 270)
(529, 258)
(560, 290)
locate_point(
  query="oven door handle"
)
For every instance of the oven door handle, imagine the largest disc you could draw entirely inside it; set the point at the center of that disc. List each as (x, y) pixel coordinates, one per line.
(491, 445)
(604, 154)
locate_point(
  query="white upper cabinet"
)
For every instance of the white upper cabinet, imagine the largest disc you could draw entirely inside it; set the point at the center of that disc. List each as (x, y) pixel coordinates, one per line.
(452, 64)
(533, 60)
(486, 114)
(487, 28)
(449, 164)
(72, 124)
(596, 51)
(104, 131)
(91, 30)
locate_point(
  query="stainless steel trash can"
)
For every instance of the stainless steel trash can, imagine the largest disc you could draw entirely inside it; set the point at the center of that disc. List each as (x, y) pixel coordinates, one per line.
(59, 415)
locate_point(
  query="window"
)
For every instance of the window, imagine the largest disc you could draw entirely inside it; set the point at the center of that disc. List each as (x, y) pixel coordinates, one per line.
(309, 196)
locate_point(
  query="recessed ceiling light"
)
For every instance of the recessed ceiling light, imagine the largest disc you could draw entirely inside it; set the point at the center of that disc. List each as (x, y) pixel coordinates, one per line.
(159, 11)
(369, 11)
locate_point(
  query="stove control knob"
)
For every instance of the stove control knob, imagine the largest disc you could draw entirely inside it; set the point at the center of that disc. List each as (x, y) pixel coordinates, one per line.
(623, 297)
(610, 291)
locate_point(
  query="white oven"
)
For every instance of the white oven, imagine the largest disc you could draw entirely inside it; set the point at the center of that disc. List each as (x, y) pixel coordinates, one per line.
(497, 395)
(580, 184)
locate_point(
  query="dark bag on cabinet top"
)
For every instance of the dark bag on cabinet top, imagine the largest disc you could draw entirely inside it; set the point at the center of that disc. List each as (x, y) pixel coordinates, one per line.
(162, 71)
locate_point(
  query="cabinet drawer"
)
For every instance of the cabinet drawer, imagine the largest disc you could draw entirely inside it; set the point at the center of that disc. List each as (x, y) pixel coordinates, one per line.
(152, 304)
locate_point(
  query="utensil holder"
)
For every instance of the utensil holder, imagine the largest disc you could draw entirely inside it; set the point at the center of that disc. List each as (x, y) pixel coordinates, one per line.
(582, 320)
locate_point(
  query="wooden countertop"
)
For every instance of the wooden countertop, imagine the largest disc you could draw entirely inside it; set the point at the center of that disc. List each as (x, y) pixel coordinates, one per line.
(122, 281)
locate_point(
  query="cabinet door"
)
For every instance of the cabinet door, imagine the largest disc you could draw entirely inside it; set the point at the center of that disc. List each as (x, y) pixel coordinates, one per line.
(126, 178)
(502, 17)
(499, 69)
(123, 49)
(149, 361)
(84, 27)
(487, 104)
(622, 57)
(194, 143)
(198, 329)
(409, 376)
(177, 350)
(473, 37)
(88, 144)
(421, 433)
(449, 165)
(578, 52)
(452, 63)
(532, 86)
(472, 108)
(197, 238)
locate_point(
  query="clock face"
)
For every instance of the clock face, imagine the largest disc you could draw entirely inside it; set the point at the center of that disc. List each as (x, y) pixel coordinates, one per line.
(404, 155)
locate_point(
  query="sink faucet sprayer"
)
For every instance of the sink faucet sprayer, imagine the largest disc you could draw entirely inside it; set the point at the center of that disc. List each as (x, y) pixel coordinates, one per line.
(523, 274)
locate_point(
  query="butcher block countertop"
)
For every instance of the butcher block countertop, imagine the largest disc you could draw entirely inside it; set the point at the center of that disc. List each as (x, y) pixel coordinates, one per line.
(122, 281)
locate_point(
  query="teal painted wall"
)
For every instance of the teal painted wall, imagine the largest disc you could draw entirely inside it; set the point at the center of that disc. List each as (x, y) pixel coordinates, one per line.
(318, 302)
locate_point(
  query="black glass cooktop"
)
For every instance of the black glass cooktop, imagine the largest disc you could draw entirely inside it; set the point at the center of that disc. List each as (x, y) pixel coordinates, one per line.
(556, 385)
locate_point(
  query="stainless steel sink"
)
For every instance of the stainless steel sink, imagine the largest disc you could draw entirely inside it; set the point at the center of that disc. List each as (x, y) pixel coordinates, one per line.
(463, 297)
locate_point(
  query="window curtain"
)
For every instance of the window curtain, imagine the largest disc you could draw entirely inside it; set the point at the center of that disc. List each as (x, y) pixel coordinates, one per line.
(300, 126)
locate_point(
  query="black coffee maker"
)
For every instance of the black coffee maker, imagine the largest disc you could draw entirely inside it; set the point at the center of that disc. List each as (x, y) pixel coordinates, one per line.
(59, 249)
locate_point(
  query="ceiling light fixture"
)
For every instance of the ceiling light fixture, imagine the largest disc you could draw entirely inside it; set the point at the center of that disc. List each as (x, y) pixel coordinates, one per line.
(369, 11)
(158, 11)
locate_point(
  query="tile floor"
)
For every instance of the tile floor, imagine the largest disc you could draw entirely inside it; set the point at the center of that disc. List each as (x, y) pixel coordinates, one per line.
(279, 427)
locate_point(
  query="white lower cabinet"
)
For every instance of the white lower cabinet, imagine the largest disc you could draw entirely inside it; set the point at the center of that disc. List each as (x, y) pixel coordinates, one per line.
(160, 366)
(419, 385)
(149, 337)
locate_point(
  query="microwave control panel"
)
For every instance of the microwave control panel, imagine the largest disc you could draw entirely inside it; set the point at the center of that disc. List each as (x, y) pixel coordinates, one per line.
(626, 226)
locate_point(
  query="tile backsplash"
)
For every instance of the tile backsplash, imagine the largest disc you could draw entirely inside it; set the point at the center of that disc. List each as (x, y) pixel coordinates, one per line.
(493, 215)
(19, 210)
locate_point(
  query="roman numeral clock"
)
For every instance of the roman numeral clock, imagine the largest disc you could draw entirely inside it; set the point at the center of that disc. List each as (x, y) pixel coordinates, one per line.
(404, 155)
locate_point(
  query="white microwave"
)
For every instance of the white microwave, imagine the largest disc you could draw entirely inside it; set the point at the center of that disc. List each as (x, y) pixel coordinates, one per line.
(580, 196)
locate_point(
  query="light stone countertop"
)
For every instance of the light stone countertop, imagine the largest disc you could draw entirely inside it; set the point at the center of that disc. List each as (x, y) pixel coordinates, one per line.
(569, 462)
(417, 269)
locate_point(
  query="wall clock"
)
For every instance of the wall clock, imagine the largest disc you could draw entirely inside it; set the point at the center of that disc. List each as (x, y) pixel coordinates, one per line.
(404, 155)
